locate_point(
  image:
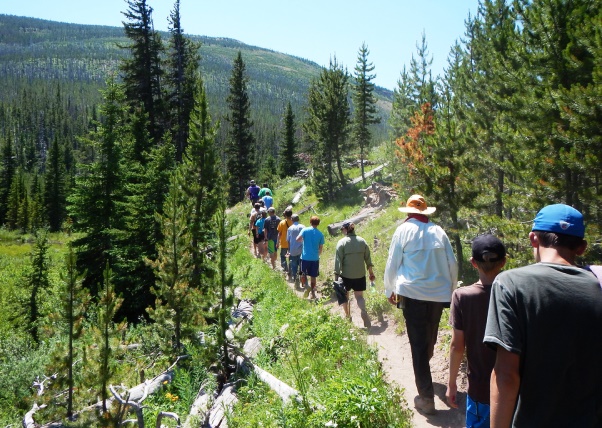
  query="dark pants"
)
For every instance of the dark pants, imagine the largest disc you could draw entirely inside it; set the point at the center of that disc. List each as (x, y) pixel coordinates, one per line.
(422, 323)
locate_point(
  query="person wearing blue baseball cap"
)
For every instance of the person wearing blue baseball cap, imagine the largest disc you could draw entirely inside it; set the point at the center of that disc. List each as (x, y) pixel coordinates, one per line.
(545, 323)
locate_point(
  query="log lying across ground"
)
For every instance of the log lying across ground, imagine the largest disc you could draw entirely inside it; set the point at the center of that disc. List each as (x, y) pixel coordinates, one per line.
(335, 228)
(298, 195)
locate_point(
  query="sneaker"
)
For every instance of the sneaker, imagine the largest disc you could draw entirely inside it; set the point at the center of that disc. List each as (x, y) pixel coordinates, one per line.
(366, 319)
(306, 293)
(297, 283)
(425, 405)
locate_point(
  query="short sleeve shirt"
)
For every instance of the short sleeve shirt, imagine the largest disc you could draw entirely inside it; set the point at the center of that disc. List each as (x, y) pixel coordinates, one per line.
(312, 239)
(295, 248)
(551, 316)
(282, 229)
(468, 312)
(271, 227)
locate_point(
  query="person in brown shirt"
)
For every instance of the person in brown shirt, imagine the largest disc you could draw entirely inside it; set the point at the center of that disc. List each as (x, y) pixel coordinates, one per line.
(468, 317)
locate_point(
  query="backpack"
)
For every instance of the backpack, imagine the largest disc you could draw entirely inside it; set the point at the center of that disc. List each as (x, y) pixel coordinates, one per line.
(273, 223)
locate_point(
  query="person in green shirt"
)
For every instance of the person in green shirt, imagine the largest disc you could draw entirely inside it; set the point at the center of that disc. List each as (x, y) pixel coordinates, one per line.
(264, 190)
(351, 255)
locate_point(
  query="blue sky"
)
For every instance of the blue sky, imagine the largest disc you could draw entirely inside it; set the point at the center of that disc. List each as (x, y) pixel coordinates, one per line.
(313, 29)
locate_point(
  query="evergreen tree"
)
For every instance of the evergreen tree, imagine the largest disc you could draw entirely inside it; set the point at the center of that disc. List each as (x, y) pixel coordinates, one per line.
(288, 161)
(561, 59)
(240, 148)
(200, 181)
(327, 127)
(176, 307)
(96, 202)
(37, 281)
(364, 103)
(423, 86)
(182, 66)
(105, 333)
(16, 195)
(8, 169)
(142, 71)
(54, 189)
(403, 107)
(70, 318)
(36, 207)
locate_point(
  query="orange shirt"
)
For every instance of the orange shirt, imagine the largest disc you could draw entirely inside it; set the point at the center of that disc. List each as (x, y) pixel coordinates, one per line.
(282, 228)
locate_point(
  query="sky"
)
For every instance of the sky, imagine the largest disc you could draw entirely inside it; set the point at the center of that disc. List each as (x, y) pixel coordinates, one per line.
(317, 30)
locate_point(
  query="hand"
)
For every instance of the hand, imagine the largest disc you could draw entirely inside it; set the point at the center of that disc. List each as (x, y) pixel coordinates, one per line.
(393, 299)
(372, 277)
(450, 394)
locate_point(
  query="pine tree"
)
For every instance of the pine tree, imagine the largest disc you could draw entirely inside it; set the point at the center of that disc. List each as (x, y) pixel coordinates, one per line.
(8, 168)
(37, 281)
(54, 189)
(105, 332)
(142, 71)
(364, 103)
(288, 161)
(423, 86)
(182, 66)
(561, 59)
(70, 318)
(200, 181)
(96, 202)
(177, 303)
(240, 148)
(327, 127)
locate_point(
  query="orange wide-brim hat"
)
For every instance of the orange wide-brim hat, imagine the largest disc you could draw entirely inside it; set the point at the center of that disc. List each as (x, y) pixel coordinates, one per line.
(417, 205)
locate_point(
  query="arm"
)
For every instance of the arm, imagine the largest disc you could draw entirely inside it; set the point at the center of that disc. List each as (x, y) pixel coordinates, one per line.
(456, 352)
(505, 382)
(320, 249)
(393, 262)
(368, 261)
(300, 237)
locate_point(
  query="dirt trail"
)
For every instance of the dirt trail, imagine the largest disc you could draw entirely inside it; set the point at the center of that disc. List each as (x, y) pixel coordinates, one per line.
(395, 355)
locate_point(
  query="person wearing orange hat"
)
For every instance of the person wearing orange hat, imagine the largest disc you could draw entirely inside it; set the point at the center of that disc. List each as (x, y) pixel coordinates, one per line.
(420, 275)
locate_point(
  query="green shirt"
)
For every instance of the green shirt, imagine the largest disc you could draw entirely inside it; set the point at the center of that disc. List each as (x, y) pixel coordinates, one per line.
(263, 191)
(351, 255)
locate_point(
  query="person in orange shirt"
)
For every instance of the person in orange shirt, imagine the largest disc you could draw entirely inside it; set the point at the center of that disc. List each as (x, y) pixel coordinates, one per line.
(282, 232)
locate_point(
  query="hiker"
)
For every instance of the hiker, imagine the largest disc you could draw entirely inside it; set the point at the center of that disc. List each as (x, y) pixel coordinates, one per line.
(271, 234)
(545, 323)
(313, 241)
(253, 228)
(468, 316)
(253, 192)
(268, 200)
(264, 190)
(420, 275)
(282, 229)
(294, 248)
(259, 224)
(351, 255)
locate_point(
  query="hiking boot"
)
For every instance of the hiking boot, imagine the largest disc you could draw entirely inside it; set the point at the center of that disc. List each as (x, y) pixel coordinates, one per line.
(425, 405)
(366, 319)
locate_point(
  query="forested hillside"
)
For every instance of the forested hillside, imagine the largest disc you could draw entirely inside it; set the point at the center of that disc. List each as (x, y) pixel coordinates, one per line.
(36, 53)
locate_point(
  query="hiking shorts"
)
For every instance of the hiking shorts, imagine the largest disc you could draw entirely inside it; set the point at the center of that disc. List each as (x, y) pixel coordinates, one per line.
(355, 284)
(477, 414)
(310, 268)
(272, 247)
(257, 237)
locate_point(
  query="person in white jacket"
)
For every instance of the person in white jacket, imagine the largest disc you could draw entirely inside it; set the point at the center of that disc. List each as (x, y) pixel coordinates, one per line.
(420, 275)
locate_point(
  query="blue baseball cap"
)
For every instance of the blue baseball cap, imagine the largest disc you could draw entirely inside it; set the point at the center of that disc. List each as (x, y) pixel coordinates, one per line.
(560, 218)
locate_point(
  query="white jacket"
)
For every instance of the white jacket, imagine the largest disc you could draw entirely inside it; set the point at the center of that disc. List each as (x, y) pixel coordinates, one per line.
(421, 263)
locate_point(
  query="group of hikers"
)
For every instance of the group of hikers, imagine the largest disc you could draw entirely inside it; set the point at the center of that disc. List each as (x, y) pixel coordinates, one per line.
(532, 335)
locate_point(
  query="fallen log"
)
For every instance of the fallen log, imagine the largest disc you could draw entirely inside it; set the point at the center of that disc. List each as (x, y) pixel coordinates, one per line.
(335, 228)
(199, 410)
(223, 403)
(298, 195)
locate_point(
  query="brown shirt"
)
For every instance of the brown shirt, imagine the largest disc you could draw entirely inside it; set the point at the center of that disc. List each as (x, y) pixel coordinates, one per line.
(469, 313)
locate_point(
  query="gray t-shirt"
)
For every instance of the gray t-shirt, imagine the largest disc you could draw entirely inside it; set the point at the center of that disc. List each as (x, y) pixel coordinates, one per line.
(551, 315)
(271, 227)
